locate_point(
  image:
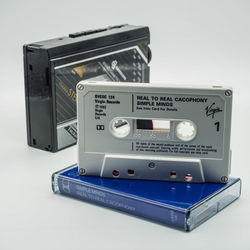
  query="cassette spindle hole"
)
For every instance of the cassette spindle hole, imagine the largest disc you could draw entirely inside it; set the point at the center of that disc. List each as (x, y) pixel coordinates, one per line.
(120, 127)
(186, 130)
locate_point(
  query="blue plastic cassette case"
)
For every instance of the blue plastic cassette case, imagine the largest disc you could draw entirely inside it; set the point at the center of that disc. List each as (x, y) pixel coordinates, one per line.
(180, 205)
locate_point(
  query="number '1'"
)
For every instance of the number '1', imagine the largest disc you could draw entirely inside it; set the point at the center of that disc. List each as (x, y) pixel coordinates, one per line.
(217, 124)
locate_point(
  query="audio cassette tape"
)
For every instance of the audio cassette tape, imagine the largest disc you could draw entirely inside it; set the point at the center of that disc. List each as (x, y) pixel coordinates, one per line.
(154, 132)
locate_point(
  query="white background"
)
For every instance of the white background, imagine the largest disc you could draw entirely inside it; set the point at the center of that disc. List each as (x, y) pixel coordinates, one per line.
(193, 42)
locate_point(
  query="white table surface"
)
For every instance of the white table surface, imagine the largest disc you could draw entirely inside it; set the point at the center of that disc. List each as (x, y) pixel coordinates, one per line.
(193, 42)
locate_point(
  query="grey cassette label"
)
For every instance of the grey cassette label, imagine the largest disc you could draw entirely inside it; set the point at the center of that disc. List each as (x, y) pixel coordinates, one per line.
(209, 119)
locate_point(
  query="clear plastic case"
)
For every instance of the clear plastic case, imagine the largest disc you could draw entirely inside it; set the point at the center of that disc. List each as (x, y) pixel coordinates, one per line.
(180, 205)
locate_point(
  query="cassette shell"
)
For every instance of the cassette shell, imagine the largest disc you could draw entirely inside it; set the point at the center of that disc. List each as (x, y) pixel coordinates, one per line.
(204, 157)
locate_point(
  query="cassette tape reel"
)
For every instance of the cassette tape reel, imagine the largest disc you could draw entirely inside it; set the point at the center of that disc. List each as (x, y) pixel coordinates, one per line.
(155, 132)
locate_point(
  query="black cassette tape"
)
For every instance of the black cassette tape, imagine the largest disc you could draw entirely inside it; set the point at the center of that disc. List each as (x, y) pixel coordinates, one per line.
(52, 69)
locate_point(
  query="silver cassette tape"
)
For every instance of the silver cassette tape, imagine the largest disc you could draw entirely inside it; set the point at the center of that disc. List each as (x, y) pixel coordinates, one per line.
(155, 132)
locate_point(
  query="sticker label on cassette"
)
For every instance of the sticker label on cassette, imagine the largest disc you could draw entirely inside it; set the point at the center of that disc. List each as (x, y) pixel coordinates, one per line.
(150, 134)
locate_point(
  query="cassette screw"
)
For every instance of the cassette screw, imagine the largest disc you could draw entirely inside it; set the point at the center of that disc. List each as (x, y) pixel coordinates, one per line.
(80, 87)
(228, 92)
(151, 165)
(82, 171)
(224, 179)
